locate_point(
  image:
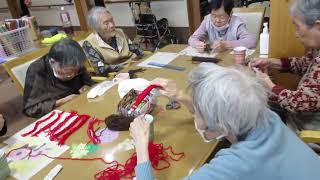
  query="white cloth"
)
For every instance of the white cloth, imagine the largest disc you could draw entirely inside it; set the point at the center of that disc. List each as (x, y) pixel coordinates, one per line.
(138, 84)
(100, 89)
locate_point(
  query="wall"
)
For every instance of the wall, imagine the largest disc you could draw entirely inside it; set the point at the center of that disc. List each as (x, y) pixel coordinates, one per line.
(4, 13)
(50, 16)
(283, 42)
(174, 10)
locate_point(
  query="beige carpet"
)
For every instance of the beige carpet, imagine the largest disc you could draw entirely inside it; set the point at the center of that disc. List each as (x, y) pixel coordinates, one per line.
(11, 106)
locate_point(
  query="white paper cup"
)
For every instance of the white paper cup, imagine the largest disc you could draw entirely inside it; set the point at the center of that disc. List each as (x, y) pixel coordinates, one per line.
(239, 54)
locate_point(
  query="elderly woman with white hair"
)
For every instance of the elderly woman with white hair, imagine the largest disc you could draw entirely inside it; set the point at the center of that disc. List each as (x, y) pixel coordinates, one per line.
(231, 103)
(303, 104)
(108, 48)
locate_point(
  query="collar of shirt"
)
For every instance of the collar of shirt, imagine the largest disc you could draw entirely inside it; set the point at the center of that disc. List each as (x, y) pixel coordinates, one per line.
(103, 44)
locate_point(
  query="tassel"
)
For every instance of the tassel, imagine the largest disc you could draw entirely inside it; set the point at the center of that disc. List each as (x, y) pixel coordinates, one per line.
(38, 123)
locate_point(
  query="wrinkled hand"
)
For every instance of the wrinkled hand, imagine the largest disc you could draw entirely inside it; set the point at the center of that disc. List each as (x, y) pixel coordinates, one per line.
(169, 87)
(219, 46)
(65, 99)
(139, 131)
(200, 46)
(83, 89)
(264, 77)
(262, 64)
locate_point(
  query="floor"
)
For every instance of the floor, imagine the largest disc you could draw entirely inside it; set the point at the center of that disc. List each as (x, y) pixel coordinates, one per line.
(11, 106)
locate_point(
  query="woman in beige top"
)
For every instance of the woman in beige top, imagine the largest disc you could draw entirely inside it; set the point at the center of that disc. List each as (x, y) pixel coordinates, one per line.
(107, 48)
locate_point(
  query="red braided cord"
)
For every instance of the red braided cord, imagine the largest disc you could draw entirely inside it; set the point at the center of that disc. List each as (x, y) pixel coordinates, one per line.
(48, 125)
(61, 124)
(83, 120)
(53, 132)
(56, 135)
(38, 123)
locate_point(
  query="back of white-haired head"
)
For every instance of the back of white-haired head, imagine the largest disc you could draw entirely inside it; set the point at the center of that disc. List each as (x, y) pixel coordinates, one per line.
(308, 10)
(93, 17)
(230, 100)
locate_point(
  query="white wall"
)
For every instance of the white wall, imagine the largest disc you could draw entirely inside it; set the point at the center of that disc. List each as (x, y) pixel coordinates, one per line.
(174, 10)
(4, 14)
(51, 16)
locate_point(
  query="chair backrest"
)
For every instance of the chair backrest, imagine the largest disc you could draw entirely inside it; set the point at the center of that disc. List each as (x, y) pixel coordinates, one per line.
(17, 68)
(147, 19)
(253, 18)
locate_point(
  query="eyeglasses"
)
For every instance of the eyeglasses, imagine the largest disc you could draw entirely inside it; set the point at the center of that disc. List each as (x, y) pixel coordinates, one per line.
(219, 17)
(62, 75)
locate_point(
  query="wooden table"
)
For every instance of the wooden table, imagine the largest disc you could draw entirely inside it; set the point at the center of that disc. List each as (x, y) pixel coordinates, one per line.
(172, 127)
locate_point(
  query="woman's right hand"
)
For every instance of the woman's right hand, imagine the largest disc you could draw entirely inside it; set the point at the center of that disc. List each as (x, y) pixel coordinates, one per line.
(264, 63)
(200, 46)
(1, 122)
(260, 63)
(65, 99)
(169, 87)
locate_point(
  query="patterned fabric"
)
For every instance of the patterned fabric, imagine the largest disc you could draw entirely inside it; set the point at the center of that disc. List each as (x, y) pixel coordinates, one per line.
(97, 61)
(307, 96)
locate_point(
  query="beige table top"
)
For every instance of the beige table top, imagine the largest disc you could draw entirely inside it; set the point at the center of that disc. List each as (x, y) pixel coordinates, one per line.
(172, 127)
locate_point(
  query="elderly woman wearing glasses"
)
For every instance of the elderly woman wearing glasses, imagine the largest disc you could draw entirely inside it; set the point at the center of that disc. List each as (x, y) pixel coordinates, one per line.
(221, 29)
(232, 103)
(55, 78)
(108, 48)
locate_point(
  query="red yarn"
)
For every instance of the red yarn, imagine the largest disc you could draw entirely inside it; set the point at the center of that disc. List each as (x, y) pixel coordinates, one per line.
(38, 123)
(55, 136)
(48, 125)
(142, 95)
(61, 124)
(157, 154)
(91, 133)
(82, 121)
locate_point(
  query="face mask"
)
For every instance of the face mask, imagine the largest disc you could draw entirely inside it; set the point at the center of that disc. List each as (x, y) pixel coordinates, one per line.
(60, 77)
(55, 73)
(202, 134)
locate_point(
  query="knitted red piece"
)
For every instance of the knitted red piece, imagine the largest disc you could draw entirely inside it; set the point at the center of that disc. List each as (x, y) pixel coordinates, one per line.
(38, 123)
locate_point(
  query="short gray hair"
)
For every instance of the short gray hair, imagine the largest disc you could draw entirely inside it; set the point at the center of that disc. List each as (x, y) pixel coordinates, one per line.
(93, 17)
(230, 100)
(308, 10)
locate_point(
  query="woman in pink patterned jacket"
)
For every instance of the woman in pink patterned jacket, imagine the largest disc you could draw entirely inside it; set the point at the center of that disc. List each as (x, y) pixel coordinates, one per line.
(303, 104)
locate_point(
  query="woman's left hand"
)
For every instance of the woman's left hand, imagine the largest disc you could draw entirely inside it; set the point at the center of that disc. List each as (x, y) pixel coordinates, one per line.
(83, 89)
(139, 131)
(264, 77)
(220, 46)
